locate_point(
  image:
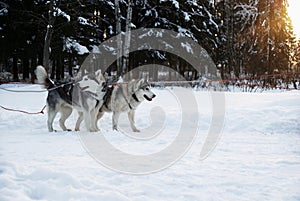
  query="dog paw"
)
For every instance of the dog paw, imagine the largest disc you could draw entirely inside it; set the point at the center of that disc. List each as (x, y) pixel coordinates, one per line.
(136, 130)
(115, 128)
(93, 130)
(51, 130)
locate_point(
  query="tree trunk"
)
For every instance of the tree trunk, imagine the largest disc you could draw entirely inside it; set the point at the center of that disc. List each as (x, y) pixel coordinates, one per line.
(15, 69)
(58, 69)
(48, 37)
(127, 38)
(61, 66)
(33, 66)
(119, 39)
(52, 76)
(25, 68)
(70, 65)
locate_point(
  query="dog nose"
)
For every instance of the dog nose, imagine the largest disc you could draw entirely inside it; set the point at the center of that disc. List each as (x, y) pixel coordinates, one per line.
(153, 96)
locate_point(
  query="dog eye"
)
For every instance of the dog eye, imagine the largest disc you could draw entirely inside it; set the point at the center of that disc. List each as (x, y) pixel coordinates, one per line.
(147, 89)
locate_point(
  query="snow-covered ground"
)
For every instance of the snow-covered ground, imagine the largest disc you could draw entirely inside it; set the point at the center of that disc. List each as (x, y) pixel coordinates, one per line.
(256, 158)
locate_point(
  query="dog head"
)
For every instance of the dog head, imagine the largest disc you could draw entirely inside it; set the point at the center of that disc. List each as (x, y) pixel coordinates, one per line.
(93, 82)
(142, 90)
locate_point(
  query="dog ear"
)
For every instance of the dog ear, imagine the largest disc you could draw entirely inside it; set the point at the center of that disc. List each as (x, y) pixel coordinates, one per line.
(141, 82)
(99, 75)
(138, 84)
(98, 72)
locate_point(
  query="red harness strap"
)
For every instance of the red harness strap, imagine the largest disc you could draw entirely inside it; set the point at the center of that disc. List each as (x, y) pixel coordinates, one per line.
(22, 111)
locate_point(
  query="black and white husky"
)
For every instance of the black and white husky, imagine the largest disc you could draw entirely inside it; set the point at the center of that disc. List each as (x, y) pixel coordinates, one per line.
(85, 95)
(124, 97)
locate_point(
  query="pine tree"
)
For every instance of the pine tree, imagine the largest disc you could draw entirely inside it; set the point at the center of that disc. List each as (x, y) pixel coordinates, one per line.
(257, 37)
(273, 39)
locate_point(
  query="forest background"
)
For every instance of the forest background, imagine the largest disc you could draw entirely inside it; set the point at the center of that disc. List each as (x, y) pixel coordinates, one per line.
(245, 38)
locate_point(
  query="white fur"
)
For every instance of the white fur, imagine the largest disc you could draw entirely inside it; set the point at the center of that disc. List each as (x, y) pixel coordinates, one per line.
(94, 104)
(41, 74)
(122, 101)
(87, 105)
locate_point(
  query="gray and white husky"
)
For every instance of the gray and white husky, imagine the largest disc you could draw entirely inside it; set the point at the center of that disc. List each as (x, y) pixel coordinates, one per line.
(85, 95)
(124, 97)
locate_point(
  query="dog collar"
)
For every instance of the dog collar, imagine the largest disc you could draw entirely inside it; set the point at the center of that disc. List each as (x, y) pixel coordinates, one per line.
(135, 98)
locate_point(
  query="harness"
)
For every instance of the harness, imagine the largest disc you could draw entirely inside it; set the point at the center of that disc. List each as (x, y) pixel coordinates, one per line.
(65, 91)
(110, 86)
(92, 94)
(133, 96)
(107, 95)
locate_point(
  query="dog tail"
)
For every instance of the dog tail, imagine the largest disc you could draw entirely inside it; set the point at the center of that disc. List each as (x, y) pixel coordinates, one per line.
(42, 77)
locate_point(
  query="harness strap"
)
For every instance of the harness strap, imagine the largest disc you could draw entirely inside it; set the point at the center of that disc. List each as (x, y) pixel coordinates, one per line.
(93, 95)
(125, 93)
(97, 103)
(125, 96)
(107, 96)
(63, 92)
(135, 98)
(84, 88)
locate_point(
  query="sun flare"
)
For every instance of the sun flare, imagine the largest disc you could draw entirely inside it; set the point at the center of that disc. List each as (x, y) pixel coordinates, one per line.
(294, 13)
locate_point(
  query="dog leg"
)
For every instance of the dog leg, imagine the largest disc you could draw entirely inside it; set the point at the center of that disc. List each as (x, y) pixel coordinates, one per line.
(131, 120)
(99, 116)
(87, 121)
(115, 119)
(94, 120)
(51, 115)
(79, 120)
(65, 113)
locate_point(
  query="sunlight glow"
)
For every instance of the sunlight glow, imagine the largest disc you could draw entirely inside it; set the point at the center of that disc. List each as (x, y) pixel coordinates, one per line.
(294, 13)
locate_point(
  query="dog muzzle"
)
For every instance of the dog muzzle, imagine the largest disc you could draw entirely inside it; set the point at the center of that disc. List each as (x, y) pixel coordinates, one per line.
(148, 98)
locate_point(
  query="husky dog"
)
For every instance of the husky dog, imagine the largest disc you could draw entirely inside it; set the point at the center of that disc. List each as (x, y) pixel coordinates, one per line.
(124, 97)
(86, 96)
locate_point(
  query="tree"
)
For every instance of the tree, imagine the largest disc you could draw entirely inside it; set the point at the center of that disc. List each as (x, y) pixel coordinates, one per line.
(273, 38)
(257, 37)
(244, 37)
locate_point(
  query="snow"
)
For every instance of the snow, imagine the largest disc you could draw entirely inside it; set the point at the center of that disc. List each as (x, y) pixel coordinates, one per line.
(174, 2)
(148, 13)
(3, 11)
(132, 25)
(187, 16)
(73, 44)
(182, 32)
(111, 4)
(59, 12)
(96, 49)
(187, 47)
(256, 158)
(247, 14)
(84, 21)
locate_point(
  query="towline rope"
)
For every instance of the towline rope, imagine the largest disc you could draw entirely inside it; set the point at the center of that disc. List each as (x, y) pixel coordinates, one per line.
(22, 111)
(151, 82)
